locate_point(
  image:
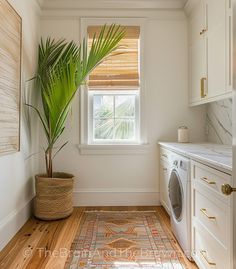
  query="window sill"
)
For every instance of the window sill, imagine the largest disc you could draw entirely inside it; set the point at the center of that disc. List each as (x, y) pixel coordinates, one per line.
(114, 149)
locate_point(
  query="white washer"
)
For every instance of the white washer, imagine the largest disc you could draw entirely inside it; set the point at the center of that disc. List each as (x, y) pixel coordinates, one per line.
(180, 201)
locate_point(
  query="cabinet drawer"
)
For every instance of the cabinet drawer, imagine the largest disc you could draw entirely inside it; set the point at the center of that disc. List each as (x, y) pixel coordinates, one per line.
(213, 214)
(208, 252)
(165, 155)
(211, 178)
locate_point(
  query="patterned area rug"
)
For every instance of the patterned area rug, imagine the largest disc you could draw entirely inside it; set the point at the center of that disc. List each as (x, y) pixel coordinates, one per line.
(123, 240)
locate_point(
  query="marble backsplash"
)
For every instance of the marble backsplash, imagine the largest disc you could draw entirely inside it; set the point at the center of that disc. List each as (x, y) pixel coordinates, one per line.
(219, 122)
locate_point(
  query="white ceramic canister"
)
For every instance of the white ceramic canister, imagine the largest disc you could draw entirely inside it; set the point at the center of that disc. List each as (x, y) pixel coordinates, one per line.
(183, 136)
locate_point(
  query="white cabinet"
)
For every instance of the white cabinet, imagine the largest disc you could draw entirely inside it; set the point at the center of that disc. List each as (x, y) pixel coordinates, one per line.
(165, 169)
(197, 52)
(212, 231)
(216, 42)
(210, 50)
(164, 182)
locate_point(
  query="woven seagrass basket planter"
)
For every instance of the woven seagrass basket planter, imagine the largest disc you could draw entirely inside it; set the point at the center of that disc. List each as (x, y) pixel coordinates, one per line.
(53, 198)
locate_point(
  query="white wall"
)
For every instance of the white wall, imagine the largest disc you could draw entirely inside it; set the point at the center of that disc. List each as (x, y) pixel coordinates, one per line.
(16, 181)
(133, 179)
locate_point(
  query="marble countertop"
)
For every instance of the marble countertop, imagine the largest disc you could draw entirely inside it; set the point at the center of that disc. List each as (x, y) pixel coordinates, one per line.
(215, 155)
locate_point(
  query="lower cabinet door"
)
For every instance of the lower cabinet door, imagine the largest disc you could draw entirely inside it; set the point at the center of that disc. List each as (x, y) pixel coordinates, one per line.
(164, 181)
(207, 251)
(213, 214)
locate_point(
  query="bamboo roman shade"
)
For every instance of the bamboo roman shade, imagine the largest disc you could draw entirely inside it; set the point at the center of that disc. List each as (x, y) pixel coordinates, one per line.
(121, 69)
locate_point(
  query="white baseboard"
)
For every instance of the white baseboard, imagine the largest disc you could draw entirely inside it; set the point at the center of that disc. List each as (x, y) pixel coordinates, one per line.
(11, 224)
(109, 197)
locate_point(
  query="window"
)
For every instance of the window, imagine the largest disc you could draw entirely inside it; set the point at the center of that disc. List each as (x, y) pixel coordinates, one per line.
(114, 117)
(114, 93)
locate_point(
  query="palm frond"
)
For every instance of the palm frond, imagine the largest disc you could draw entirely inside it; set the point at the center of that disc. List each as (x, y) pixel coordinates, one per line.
(62, 68)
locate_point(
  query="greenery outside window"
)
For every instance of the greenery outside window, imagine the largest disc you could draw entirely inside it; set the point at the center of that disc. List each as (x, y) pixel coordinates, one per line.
(114, 117)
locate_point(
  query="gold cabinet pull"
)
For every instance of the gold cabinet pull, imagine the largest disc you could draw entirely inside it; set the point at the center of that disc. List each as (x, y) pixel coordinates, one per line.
(204, 255)
(164, 155)
(227, 189)
(203, 31)
(205, 179)
(203, 92)
(204, 212)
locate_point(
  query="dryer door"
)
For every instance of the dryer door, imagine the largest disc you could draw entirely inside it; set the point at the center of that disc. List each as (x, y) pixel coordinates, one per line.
(176, 195)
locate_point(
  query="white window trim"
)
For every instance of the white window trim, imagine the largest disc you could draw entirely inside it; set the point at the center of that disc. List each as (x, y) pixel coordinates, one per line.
(114, 149)
(123, 148)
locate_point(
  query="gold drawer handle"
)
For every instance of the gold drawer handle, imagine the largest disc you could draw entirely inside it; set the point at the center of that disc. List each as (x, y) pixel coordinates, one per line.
(204, 212)
(205, 179)
(204, 255)
(164, 155)
(203, 91)
(203, 31)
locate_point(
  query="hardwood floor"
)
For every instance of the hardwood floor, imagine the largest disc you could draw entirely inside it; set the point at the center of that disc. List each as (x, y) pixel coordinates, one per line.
(41, 244)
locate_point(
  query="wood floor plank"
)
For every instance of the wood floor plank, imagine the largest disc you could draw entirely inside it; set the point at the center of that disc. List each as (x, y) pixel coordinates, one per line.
(55, 236)
(40, 257)
(17, 243)
(23, 257)
(64, 241)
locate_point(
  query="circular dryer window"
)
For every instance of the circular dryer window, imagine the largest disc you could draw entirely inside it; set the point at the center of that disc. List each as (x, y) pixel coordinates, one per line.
(176, 195)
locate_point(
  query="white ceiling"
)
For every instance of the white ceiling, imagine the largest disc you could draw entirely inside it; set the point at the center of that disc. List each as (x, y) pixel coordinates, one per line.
(149, 4)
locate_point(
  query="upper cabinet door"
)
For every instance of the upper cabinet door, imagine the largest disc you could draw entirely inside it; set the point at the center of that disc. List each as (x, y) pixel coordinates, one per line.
(197, 51)
(210, 44)
(216, 47)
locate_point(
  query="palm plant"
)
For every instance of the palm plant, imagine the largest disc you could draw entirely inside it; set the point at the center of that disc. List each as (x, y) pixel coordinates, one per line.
(62, 68)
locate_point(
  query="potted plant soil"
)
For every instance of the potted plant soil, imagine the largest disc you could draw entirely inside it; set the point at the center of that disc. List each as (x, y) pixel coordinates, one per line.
(62, 68)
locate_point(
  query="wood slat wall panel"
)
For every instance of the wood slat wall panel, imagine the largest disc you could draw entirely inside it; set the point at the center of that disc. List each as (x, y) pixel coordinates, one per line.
(10, 78)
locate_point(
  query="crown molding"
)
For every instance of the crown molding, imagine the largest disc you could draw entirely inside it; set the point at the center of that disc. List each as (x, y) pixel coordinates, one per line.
(111, 4)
